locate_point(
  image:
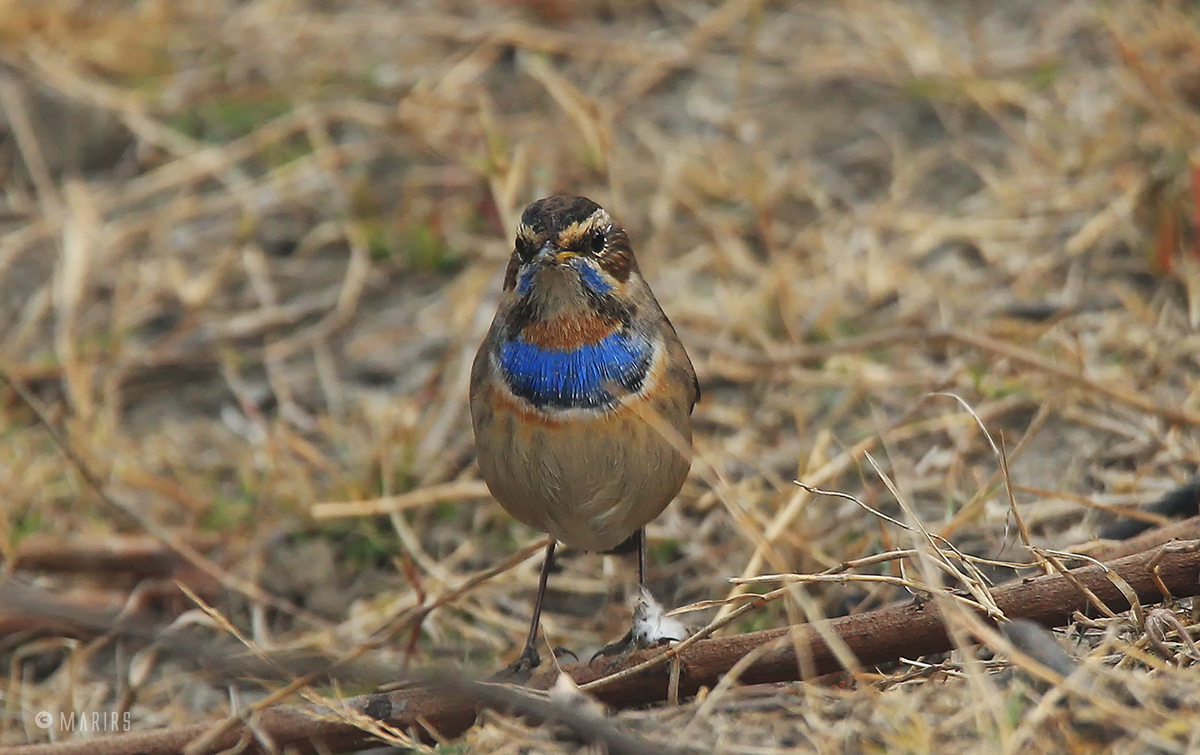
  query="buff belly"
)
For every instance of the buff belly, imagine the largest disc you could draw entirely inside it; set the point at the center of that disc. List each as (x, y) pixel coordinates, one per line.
(589, 482)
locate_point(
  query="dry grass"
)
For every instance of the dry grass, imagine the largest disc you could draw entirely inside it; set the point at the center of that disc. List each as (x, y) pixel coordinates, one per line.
(247, 252)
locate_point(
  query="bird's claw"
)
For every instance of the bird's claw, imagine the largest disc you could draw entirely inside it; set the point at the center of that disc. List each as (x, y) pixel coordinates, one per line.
(652, 627)
(521, 669)
(619, 649)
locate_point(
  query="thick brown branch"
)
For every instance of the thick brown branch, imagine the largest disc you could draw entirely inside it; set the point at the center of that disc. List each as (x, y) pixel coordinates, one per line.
(1109, 550)
(910, 630)
(882, 636)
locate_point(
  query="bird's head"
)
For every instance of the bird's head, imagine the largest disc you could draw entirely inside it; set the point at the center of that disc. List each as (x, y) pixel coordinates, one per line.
(569, 255)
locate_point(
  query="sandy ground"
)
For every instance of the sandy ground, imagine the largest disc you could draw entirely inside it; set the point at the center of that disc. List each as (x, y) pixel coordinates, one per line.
(247, 251)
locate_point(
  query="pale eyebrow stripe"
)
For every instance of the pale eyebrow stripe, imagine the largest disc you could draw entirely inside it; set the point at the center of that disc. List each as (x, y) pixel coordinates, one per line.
(576, 230)
(573, 231)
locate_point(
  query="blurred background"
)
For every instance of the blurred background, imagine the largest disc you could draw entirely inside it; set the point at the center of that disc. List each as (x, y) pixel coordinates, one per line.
(248, 250)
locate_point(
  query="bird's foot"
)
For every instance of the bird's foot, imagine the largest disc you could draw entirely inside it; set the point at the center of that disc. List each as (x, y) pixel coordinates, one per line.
(519, 671)
(619, 649)
(651, 627)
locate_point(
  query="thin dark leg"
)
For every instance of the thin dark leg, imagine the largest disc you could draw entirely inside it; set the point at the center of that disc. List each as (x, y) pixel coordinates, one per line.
(530, 654)
(641, 549)
(626, 643)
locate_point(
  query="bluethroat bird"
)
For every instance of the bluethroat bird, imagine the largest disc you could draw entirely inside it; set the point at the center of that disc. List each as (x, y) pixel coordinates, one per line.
(582, 393)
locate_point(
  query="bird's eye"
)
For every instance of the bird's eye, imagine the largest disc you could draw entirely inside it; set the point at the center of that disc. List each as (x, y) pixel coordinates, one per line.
(524, 248)
(599, 242)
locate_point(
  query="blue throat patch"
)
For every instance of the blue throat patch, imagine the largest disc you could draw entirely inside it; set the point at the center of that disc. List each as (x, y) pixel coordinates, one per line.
(525, 282)
(588, 275)
(576, 379)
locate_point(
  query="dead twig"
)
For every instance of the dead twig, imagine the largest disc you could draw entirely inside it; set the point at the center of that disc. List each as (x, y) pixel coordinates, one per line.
(138, 555)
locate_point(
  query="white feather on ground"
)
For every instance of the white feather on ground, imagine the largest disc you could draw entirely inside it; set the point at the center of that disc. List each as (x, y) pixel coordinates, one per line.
(651, 624)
